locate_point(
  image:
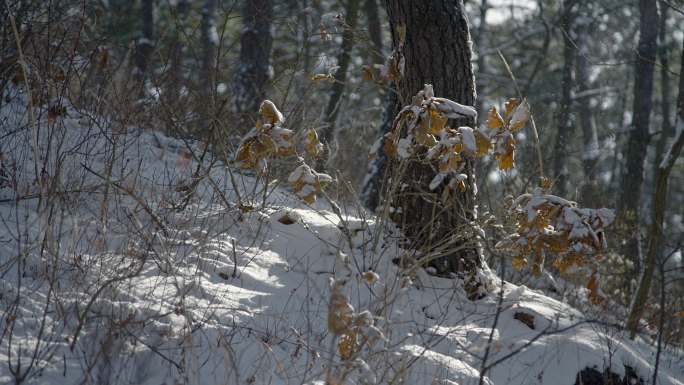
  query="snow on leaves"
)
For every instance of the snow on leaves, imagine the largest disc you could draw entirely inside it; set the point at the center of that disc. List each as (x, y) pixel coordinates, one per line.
(548, 225)
(421, 128)
(306, 182)
(355, 330)
(269, 140)
(265, 141)
(499, 130)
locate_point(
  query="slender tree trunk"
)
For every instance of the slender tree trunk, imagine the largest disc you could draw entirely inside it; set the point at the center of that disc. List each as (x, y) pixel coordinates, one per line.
(343, 61)
(370, 8)
(481, 59)
(565, 124)
(665, 89)
(590, 154)
(374, 182)
(177, 78)
(207, 81)
(659, 206)
(436, 51)
(637, 143)
(145, 44)
(253, 71)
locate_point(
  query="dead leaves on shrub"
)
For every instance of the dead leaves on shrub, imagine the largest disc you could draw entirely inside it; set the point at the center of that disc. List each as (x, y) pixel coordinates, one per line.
(269, 140)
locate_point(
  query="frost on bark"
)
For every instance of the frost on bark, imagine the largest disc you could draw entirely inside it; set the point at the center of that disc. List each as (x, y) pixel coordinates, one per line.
(637, 145)
(253, 72)
(437, 51)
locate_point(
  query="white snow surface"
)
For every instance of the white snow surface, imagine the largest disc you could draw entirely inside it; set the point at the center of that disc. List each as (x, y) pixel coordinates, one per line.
(230, 296)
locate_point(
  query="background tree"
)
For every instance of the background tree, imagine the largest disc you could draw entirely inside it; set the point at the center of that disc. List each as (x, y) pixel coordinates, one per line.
(252, 75)
(630, 199)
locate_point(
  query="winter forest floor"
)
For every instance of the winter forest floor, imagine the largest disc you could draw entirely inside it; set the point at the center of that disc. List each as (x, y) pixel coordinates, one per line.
(119, 275)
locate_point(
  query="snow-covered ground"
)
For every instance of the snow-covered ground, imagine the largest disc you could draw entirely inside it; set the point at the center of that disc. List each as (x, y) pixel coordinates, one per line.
(111, 276)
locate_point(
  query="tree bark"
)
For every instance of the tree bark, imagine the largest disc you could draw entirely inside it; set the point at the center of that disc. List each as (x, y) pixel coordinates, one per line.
(565, 124)
(253, 70)
(637, 143)
(659, 206)
(437, 51)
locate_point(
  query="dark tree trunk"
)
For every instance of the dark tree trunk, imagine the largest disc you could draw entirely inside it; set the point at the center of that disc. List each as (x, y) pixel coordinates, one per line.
(590, 144)
(637, 143)
(565, 124)
(253, 70)
(207, 81)
(343, 61)
(145, 44)
(437, 51)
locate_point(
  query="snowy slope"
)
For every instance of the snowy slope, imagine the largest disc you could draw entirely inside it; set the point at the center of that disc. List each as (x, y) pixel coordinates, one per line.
(214, 293)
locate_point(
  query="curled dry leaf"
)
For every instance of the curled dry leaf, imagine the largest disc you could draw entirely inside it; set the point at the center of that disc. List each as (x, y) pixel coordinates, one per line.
(306, 182)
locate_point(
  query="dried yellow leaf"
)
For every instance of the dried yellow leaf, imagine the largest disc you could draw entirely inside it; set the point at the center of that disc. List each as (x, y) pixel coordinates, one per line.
(509, 106)
(483, 144)
(494, 120)
(269, 113)
(519, 263)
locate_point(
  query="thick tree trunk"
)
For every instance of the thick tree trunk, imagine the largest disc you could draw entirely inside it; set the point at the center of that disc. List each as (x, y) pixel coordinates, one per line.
(437, 51)
(590, 152)
(343, 61)
(565, 124)
(145, 44)
(659, 206)
(637, 144)
(253, 70)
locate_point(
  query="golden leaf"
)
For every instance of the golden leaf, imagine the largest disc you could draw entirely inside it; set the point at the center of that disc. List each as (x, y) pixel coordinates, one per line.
(519, 263)
(483, 144)
(437, 122)
(520, 116)
(347, 345)
(494, 120)
(680, 314)
(506, 159)
(269, 113)
(509, 106)
(593, 287)
(312, 145)
(317, 78)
